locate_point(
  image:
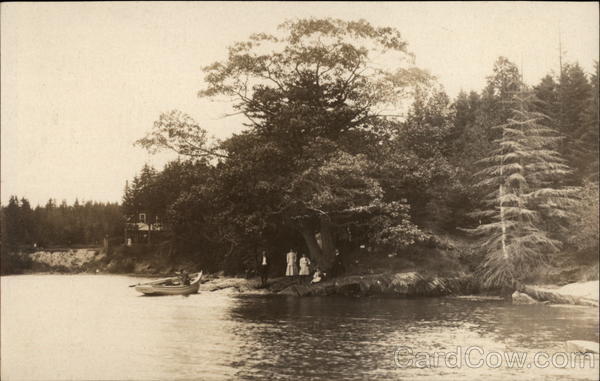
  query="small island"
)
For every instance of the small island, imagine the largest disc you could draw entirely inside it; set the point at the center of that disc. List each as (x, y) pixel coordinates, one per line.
(486, 192)
(357, 210)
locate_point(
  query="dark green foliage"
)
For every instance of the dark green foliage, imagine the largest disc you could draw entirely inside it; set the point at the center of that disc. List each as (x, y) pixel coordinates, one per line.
(331, 158)
(327, 162)
(584, 232)
(575, 98)
(64, 225)
(497, 96)
(14, 262)
(547, 101)
(588, 138)
(153, 192)
(13, 231)
(314, 110)
(571, 102)
(518, 177)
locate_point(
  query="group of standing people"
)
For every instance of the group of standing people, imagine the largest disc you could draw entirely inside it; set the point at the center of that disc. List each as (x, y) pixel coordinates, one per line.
(305, 266)
(298, 267)
(292, 264)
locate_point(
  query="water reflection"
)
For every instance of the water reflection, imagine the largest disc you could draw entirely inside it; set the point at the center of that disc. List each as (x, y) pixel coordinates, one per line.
(95, 327)
(329, 338)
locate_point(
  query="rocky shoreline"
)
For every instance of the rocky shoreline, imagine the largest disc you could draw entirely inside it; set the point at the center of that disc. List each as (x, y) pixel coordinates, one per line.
(406, 284)
(580, 293)
(386, 284)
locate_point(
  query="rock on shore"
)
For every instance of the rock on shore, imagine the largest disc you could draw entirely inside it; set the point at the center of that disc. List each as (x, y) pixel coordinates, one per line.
(70, 259)
(521, 298)
(222, 283)
(580, 293)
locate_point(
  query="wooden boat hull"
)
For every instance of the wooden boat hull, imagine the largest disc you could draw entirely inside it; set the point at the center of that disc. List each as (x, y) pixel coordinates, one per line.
(154, 288)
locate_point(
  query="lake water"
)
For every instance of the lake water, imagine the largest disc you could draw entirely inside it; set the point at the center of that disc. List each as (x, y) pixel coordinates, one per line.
(95, 327)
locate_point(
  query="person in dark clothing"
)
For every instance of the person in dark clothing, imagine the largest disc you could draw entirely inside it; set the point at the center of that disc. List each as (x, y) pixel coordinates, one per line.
(338, 268)
(184, 278)
(263, 268)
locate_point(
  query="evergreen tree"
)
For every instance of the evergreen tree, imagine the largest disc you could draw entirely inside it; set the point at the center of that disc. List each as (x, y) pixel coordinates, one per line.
(587, 136)
(26, 221)
(546, 100)
(425, 142)
(574, 95)
(59, 225)
(428, 125)
(12, 234)
(518, 174)
(465, 112)
(494, 106)
(497, 96)
(141, 196)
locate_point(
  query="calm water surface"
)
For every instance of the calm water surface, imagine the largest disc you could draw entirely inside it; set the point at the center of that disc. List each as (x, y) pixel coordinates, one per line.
(95, 327)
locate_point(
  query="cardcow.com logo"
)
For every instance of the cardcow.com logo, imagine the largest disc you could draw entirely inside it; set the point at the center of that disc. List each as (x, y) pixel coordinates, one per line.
(477, 357)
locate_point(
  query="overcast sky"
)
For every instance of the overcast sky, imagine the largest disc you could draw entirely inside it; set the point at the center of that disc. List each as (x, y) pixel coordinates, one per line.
(81, 82)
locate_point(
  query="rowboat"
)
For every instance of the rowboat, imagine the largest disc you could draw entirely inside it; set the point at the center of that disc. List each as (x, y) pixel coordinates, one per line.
(170, 286)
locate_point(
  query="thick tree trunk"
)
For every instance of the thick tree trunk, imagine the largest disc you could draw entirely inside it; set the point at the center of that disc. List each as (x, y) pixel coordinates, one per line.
(328, 242)
(323, 255)
(311, 242)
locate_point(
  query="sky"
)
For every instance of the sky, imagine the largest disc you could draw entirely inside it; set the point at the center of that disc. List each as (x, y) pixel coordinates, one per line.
(80, 82)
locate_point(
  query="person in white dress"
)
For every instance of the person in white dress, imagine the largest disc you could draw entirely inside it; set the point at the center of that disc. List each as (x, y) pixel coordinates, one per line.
(304, 266)
(292, 264)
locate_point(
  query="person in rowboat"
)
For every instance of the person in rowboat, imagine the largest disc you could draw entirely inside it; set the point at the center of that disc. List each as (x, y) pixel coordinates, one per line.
(184, 278)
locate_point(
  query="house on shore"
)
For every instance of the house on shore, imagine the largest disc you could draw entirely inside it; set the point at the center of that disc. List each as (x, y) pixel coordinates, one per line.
(141, 229)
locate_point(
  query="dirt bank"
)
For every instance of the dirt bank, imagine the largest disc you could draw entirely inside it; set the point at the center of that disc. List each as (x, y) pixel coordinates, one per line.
(69, 260)
(142, 260)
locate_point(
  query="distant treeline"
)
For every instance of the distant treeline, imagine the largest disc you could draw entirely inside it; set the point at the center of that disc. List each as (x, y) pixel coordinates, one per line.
(59, 224)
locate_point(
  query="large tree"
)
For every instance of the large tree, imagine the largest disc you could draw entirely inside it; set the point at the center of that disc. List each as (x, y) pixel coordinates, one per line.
(518, 176)
(317, 97)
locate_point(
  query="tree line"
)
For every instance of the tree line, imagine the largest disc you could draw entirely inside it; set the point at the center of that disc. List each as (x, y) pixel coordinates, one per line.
(59, 224)
(330, 158)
